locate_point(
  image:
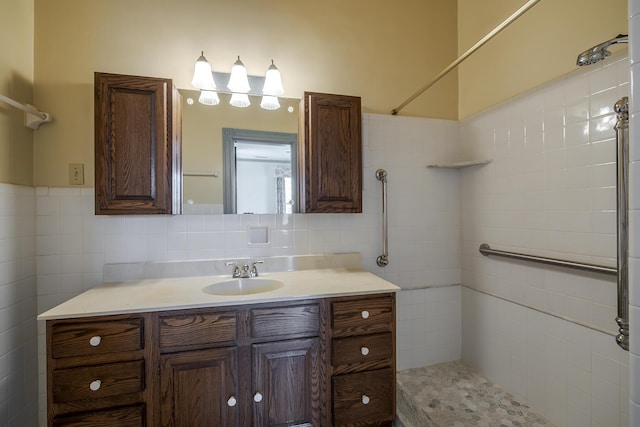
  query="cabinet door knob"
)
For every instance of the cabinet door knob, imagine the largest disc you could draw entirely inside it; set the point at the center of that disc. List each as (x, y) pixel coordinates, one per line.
(364, 350)
(365, 399)
(95, 340)
(232, 401)
(257, 397)
(365, 314)
(95, 385)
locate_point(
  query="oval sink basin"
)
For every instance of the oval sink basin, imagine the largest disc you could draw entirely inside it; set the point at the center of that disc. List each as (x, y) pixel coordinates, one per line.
(243, 286)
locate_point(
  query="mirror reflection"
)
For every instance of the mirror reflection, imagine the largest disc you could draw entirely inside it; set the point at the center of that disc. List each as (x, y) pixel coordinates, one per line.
(238, 160)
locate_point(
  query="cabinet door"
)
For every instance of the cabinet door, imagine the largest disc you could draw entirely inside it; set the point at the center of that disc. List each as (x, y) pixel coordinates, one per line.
(331, 154)
(199, 388)
(286, 383)
(135, 144)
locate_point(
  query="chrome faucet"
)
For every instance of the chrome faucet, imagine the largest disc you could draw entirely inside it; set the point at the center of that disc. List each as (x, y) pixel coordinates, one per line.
(244, 271)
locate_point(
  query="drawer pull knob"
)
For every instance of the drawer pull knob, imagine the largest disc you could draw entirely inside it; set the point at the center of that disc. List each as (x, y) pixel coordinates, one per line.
(257, 397)
(365, 314)
(95, 341)
(364, 350)
(232, 401)
(95, 385)
(365, 399)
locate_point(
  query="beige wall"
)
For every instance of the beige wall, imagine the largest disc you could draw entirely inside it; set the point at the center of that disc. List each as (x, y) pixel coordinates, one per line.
(540, 46)
(16, 82)
(356, 47)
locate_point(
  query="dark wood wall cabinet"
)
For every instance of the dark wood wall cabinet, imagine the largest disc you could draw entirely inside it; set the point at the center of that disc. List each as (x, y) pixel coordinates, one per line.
(137, 145)
(330, 154)
(323, 362)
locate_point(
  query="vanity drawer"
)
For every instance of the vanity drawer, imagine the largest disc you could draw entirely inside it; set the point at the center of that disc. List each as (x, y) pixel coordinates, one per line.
(362, 350)
(362, 316)
(131, 416)
(198, 329)
(364, 397)
(95, 338)
(97, 381)
(278, 321)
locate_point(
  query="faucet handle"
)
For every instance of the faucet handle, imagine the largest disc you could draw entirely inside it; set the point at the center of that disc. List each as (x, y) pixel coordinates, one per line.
(236, 268)
(254, 268)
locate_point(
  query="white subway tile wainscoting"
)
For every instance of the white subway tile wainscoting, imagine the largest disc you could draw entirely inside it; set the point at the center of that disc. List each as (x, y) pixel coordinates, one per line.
(18, 330)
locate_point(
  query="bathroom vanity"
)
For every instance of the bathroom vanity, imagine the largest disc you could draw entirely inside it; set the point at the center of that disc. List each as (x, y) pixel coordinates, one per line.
(320, 351)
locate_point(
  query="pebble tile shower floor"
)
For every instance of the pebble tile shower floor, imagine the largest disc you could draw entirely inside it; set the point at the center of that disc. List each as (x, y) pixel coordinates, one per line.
(452, 395)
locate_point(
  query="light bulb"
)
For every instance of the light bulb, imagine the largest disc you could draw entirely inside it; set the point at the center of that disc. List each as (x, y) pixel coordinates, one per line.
(238, 81)
(240, 100)
(208, 97)
(270, 102)
(202, 76)
(273, 81)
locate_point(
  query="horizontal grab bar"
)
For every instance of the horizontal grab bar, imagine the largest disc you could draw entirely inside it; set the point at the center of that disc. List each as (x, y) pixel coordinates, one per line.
(485, 249)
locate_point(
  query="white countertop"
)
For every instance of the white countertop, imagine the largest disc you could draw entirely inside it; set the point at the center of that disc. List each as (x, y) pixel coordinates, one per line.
(146, 295)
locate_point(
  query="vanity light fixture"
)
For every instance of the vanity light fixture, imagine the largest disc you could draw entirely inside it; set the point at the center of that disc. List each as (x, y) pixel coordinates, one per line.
(239, 83)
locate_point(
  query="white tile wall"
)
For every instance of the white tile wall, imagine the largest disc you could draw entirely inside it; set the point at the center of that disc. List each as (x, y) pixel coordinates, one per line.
(574, 375)
(550, 191)
(428, 326)
(424, 229)
(634, 214)
(18, 332)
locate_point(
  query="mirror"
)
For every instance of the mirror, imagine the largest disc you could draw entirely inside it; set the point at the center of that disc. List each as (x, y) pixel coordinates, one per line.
(215, 179)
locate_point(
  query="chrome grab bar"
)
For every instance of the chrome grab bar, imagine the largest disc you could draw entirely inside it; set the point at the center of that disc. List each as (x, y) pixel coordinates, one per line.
(383, 260)
(485, 249)
(622, 159)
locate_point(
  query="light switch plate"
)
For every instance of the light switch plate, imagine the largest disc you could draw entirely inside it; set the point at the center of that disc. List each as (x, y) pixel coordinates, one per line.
(76, 173)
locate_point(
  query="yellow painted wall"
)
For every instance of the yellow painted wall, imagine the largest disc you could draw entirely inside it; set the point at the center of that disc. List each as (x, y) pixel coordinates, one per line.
(16, 82)
(382, 51)
(379, 50)
(540, 46)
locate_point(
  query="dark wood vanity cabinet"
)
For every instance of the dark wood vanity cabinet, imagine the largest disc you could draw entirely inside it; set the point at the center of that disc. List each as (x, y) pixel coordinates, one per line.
(272, 364)
(254, 366)
(137, 145)
(330, 154)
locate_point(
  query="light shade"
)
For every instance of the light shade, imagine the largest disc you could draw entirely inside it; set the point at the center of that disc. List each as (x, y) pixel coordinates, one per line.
(238, 82)
(273, 81)
(208, 97)
(240, 100)
(202, 76)
(270, 102)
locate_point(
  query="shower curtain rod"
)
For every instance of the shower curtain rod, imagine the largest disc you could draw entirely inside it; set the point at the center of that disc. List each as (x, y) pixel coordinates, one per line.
(465, 55)
(33, 118)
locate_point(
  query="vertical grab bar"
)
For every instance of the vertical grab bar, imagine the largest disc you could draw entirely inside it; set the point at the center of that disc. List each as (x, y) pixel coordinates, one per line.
(622, 159)
(383, 260)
